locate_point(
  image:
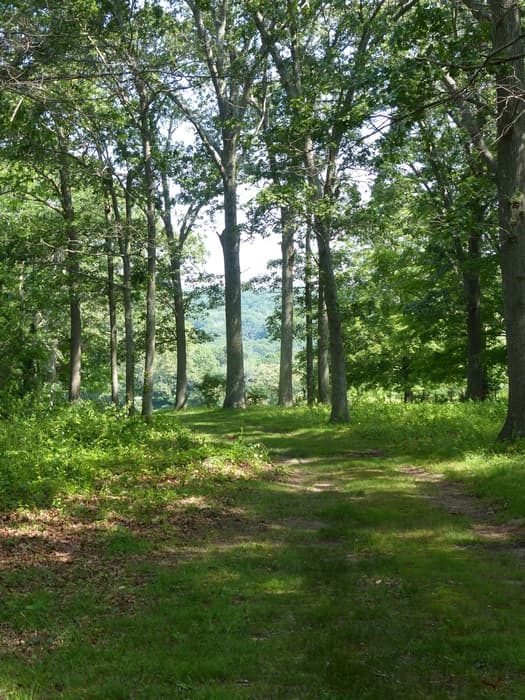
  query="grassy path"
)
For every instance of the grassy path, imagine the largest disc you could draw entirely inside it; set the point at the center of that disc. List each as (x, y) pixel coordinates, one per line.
(347, 576)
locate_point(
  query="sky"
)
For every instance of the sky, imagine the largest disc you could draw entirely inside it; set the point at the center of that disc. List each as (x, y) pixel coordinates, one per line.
(255, 251)
(254, 254)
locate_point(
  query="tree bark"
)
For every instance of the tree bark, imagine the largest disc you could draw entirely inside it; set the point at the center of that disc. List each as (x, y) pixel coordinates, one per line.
(509, 45)
(175, 254)
(112, 305)
(129, 335)
(323, 347)
(124, 246)
(308, 310)
(113, 335)
(477, 383)
(149, 179)
(230, 241)
(339, 399)
(73, 270)
(287, 299)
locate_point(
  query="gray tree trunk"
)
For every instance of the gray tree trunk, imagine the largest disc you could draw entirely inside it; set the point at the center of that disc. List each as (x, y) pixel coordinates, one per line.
(323, 349)
(149, 179)
(73, 269)
(477, 382)
(287, 299)
(112, 304)
(230, 241)
(308, 310)
(509, 45)
(124, 245)
(175, 254)
(129, 334)
(339, 399)
(113, 335)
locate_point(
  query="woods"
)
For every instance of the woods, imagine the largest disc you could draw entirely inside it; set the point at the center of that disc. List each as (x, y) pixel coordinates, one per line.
(381, 141)
(304, 482)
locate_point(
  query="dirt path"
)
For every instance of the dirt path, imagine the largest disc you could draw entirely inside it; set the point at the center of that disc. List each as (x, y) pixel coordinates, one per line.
(339, 577)
(486, 518)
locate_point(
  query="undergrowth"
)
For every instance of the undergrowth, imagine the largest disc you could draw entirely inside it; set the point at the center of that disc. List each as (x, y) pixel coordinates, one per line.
(81, 449)
(459, 439)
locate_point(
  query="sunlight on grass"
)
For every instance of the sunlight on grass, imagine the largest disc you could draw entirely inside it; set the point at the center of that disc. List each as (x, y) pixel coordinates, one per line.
(158, 562)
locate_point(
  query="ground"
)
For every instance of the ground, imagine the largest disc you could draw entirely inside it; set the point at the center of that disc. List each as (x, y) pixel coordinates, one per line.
(333, 575)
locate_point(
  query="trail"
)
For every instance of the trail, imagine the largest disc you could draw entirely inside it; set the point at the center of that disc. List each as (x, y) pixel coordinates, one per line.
(343, 576)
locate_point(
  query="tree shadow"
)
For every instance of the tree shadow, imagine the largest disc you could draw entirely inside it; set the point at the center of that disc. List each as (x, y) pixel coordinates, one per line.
(348, 582)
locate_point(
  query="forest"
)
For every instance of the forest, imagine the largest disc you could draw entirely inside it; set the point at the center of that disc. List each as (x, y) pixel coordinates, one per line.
(381, 141)
(305, 484)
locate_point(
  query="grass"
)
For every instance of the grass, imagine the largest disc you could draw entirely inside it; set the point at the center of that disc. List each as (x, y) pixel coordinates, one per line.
(173, 562)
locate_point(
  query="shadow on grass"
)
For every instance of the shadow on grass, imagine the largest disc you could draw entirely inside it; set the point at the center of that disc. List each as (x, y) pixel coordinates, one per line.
(428, 432)
(340, 580)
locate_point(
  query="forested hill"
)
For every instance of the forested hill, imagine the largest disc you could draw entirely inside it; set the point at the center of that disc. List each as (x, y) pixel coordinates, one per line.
(261, 352)
(257, 306)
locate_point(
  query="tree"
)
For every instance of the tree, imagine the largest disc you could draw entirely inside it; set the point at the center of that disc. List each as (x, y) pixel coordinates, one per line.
(197, 186)
(228, 46)
(325, 99)
(507, 58)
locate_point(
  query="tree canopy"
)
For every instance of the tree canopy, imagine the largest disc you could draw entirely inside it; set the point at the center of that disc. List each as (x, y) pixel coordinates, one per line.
(382, 141)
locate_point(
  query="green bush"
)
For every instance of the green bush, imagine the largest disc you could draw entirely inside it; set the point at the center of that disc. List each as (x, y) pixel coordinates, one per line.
(82, 449)
(212, 389)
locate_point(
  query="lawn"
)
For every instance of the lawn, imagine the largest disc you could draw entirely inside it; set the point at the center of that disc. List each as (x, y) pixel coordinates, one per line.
(263, 555)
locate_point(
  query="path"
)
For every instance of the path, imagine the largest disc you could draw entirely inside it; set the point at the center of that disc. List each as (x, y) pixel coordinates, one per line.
(345, 578)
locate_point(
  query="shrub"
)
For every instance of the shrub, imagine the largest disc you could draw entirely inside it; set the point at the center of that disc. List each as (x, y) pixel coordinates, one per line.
(212, 389)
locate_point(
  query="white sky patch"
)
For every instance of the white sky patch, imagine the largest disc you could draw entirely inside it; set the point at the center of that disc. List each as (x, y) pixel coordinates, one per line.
(255, 252)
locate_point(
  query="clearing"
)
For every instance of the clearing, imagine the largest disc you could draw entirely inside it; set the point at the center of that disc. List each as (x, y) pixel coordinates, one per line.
(345, 572)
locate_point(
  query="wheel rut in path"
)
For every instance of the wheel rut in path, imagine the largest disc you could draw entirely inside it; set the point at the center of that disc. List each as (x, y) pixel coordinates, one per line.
(490, 530)
(487, 525)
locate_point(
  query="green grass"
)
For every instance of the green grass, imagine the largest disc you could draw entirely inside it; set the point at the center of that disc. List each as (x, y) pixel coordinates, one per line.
(171, 562)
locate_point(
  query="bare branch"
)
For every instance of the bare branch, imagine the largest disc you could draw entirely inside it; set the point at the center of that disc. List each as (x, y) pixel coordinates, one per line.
(469, 122)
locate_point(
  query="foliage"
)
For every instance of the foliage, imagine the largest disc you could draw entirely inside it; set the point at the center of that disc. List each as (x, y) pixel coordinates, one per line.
(83, 449)
(370, 86)
(212, 388)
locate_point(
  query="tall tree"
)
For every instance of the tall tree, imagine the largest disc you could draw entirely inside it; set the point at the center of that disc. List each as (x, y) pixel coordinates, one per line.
(325, 100)
(196, 187)
(232, 55)
(507, 58)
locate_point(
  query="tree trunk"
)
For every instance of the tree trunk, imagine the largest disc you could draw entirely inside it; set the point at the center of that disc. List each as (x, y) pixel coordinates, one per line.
(73, 270)
(175, 254)
(75, 348)
(149, 177)
(124, 245)
(287, 298)
(323, 347)
(129, 336)
(180, 325)
(112, 306)
(113, 336)
(308, 310)
(469, 262)
(477, 383)
(508, 42)
(339, 399)
(230, 241)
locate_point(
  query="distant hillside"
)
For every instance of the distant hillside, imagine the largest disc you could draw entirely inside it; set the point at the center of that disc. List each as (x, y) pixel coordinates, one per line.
(261, 353)
(257, 305)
